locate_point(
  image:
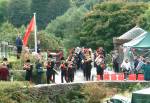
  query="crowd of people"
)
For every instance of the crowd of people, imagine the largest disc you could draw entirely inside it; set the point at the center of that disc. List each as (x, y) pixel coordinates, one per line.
(140, 65)
(131, 64)
(78, 59)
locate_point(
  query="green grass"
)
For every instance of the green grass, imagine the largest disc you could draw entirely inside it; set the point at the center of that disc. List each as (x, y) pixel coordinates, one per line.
(9, 85)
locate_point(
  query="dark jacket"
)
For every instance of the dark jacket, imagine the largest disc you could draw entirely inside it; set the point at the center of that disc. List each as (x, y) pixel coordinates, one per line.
(50, 70)
(39, 67)
(19, 42)
(4, 73)
(146, 69)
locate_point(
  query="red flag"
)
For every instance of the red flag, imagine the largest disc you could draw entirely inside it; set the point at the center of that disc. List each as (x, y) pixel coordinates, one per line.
(29, 29)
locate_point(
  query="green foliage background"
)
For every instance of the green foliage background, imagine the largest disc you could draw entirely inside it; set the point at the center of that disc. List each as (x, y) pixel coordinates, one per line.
(108, 20)
(71, 23)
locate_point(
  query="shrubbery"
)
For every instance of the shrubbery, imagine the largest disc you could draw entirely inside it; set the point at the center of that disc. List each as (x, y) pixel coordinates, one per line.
(19, 75)
(22, 92)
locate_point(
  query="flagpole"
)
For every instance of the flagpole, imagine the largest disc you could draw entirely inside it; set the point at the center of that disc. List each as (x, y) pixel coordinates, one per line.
(35, 35)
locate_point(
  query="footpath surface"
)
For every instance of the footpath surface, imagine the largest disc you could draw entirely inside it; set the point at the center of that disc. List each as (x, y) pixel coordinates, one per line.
(78, 76)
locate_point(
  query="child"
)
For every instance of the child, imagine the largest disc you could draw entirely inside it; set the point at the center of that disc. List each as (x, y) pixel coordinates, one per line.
(63, 68)
(28, 67)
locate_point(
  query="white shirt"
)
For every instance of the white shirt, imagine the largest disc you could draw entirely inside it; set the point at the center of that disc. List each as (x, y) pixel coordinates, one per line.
(125, 65)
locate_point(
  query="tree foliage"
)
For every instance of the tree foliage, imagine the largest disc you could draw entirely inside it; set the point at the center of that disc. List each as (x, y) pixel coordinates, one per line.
(63, 27)
(145, 20)
(19, 12)
(9, 33)
(48, 10)
(3, 10)
(72, 23)
(47, 42)
(108, 20)
(68, 25)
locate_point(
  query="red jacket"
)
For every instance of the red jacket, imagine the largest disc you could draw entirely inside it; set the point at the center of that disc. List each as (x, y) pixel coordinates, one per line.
(62, 66)
(4, 73)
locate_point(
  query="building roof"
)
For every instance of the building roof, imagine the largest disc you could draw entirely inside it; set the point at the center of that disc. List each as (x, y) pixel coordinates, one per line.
(131, 34)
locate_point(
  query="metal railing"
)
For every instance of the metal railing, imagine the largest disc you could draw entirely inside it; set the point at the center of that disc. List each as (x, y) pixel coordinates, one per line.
(6, 49)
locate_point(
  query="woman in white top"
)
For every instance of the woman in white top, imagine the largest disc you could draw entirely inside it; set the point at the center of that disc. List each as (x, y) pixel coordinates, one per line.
(126, 67)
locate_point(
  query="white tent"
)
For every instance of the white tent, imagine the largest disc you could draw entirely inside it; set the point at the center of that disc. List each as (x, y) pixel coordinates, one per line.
(128, 36)
(131, 34)
(135, 40)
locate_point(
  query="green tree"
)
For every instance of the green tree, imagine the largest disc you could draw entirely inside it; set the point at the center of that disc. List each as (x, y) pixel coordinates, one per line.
(108, 20)
(145, 20)
(48, 10)
(19, 12)
(68, 25)
(64, 26)
(3, 10)
(9, 33)
(47, 41)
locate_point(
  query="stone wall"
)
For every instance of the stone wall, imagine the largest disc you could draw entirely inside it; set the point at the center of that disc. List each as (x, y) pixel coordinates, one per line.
(52, 90)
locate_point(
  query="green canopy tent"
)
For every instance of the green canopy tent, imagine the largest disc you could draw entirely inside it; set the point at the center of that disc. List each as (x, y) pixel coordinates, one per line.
(142, 41)
(141, 96)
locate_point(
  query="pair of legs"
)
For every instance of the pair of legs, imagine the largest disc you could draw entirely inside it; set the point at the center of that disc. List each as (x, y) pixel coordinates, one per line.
(126, 73)
(39, 77)
(100, 71)
(63, 75)
(50, 77)
(88, 71)
(70, 75)
(28, 76)
(19, 50)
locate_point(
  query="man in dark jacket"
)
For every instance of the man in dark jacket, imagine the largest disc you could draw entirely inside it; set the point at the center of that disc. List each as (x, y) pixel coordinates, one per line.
(19, 46)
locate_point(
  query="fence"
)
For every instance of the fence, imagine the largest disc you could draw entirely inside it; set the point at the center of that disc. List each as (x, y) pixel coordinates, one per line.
(6, 49)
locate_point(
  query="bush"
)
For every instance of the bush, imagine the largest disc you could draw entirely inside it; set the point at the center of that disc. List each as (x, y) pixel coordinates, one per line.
(19, 75)
(95, 93)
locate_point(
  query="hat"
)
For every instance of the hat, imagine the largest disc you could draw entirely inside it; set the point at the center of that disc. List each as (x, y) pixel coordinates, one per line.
(28, 61)
(4, 59)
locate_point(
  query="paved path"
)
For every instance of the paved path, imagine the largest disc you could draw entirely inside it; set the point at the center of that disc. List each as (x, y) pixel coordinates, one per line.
(78, 76)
